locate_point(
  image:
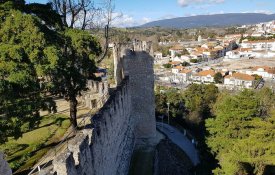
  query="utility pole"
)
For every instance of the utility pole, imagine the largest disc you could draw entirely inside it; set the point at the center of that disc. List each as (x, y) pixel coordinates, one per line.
(168, 112)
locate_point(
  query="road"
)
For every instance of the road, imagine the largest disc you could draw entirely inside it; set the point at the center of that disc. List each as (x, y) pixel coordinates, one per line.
(181, 140)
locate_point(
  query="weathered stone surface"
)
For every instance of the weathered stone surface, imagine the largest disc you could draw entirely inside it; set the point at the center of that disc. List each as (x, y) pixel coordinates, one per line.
(108, 150)
(4, 166)
(136, 62)
(126, 117)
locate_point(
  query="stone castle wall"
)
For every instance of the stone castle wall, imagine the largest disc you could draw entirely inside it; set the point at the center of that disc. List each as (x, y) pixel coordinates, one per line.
(107, 147)
(4, 166)
(127, 119)
(136, 61)
(96, 94)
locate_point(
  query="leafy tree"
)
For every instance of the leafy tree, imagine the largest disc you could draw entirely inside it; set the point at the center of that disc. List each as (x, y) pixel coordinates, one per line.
(176, 104)
(77, 64)
(241, 135)
(199, 100)
(177, 107)
(25, 57)
(193, 61)
(218, 78)
(161, 106)
(38, 56)
(167, 66)
(257, 77)
(185, 64)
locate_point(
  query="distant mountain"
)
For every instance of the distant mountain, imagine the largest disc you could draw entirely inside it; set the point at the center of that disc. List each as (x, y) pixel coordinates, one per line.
(218, 20)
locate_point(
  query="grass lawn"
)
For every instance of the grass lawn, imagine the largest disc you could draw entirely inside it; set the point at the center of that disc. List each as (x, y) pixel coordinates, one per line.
(23, 153)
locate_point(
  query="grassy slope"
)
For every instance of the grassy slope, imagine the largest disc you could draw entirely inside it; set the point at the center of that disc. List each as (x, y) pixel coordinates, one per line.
(27, 150)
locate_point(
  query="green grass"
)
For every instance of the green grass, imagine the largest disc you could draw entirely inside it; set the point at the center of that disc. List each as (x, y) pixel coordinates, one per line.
(24, 152)
(142, 162)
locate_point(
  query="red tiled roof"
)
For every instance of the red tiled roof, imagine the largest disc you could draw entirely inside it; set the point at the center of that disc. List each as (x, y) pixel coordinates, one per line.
(175, 62)
(241, 76)
(185, 71)
(206, 72)
(176, 47)
(260, 41)
(268, 69)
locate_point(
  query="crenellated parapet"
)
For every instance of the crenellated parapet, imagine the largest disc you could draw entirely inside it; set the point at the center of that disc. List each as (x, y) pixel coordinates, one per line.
(136, 61)
(106, 148)
(125, 120)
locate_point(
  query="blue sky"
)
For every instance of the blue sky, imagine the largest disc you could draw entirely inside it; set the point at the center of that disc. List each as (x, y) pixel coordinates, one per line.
(137, 12)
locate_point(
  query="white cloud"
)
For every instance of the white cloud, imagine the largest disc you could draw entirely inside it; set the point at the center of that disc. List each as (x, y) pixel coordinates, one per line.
(123, 20)
(263, 11)
(259, 11)
(145, 20)
(185, 3)
(167, 16)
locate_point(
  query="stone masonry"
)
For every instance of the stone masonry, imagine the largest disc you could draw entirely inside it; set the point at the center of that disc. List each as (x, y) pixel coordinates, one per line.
(107, 147)
(136, 61)
(96, 94)
(125, 120)
(4, 166)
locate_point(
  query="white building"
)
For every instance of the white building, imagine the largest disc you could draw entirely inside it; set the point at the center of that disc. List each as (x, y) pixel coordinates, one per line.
(177, 69)
(175, 50)
(240, 53)
(239, 80)
(205, 76)
(263, 71)
(158, 55)
(183, 76)
(260, 45)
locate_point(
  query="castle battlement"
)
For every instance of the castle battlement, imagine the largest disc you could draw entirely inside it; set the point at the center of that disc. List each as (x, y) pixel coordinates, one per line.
(126, 120)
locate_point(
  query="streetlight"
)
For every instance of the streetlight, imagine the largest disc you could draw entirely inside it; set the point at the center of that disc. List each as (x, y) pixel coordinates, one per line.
(168, 112)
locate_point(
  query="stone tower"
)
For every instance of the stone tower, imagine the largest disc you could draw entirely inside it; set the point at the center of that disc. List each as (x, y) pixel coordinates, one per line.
(135, 60)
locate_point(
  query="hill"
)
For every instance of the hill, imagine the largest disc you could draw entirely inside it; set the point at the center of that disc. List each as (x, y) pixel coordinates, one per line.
(218, 20)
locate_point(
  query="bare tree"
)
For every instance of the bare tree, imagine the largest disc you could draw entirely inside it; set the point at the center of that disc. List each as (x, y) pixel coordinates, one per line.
(76, 13)
(85, 14)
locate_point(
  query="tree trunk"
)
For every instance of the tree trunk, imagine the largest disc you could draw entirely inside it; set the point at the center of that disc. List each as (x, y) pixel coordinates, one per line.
(73, 111)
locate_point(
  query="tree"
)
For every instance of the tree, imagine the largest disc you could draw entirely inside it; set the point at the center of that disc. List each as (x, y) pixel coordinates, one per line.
(161, 106)
(167, 66)
(185, 63)
(77, 64)
(199, 100)
(218, 78)
(193, 60)
(175, 98)
(85, 14)
(239, 135)
(26, 55)
(40, 56)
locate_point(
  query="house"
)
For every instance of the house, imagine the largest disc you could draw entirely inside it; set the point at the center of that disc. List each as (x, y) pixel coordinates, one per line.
(260, 45)
(239, 80)
(263, 71)
(177, 69)
(205, 76)
(183, 76)
(158, 55)
(177, 49)
(239, 53)
(175, 63)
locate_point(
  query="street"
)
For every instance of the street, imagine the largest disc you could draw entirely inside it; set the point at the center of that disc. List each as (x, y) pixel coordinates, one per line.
(180, 140)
